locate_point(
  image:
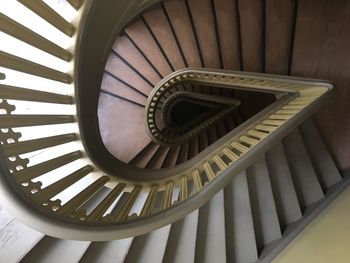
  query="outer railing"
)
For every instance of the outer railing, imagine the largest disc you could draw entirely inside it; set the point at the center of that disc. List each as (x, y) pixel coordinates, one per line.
(47, 179)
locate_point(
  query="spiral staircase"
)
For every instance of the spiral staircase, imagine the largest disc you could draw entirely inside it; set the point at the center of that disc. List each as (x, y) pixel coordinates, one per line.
(139, 129)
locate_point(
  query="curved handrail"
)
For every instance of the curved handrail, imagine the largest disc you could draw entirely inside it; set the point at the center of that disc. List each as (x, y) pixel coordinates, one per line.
(39, 203)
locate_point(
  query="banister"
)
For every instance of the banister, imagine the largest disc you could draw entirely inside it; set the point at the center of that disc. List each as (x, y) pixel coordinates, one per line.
(209, 171)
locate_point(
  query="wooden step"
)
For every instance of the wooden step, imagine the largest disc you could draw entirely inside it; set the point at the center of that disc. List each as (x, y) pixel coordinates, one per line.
(141, 36)
(279, 28)
(171, 157)
(193, 147)
(203, 140)
(251, 26)
(115, 126)
(113, 85)
(144, 156)
(204, 25)
(126, 48)
(157, 160)
(181, 23)
(161, 29)
(120, 69)
(183, 153)
(229, 33)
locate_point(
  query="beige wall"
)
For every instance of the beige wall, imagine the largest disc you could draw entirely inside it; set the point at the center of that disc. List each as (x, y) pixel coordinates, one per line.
(326, 239)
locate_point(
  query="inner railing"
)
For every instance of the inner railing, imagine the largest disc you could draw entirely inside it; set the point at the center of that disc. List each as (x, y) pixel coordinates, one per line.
(47, 178)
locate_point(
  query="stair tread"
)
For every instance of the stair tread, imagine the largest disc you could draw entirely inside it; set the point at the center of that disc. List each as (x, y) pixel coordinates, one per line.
(172, 156)
(283, 187)
(106, 252)
(120, 69)
(5, 218)
(211, 244)
(306, 182)
(265, 218)
(16, 240)
(158, 158)
(319, 155)
(125, 47)
(182, 27)
(204, 26)
(149, 248)
(114, 86)
(54, 250)
(162, 31)
(228, 32)
(240, 236)
(114, 132)
(182, 240)
(220, 128)
(144, 156)
(251, 13)
(279, 17)
(193, 147)
(183, 153)
(203, 140)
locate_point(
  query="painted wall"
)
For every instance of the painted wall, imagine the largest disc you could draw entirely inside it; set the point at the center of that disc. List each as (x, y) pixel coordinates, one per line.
(326, 239)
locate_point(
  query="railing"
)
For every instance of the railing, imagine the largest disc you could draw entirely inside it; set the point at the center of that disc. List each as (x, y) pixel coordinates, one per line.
(162, 133)
(49, 182)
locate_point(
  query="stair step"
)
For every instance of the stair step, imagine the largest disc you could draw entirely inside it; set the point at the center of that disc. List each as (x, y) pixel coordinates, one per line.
(119, 68)
(212, 134)
(106, 252)
(183, 153)
(226, 11)
(16, 240)
(182, 240)
(203, 140)
(279, 26)
(158, 158)
(54, 250)
(182, 26)
(323, 164)
(114, 132)
(5, 218)
(193, 147)
(157, 21)
(305, 180)
(211, 244)
(220, 129)
(139, 33)
(251, 14)
(240, 237)
(145, 155)
(286, 199)
(172, 156)
(265, 218)
(204, 25)
(122, 89)
(126, 48)
(229, 123)
(149, 248)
